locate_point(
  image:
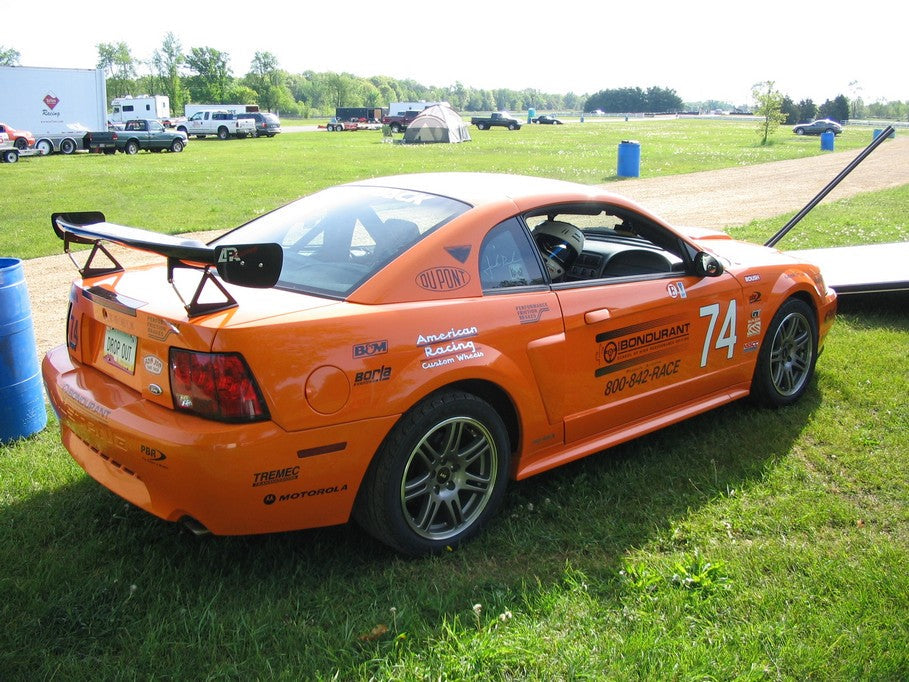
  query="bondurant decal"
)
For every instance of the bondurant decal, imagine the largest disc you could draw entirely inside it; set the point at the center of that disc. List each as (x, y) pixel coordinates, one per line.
(443, 278)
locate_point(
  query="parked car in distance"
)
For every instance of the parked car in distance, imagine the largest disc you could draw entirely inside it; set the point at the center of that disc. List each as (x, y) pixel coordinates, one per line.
(21, 139)
(546, 119)
(267, 124)
(822, 125)
(394, 350)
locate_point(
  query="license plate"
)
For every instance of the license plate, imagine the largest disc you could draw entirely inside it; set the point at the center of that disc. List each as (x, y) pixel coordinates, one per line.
(120, 349)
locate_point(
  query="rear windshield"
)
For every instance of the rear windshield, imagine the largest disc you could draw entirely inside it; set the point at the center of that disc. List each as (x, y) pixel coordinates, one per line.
(335, 240)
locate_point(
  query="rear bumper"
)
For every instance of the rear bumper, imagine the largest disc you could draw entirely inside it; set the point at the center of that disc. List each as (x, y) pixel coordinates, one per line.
(233, 479)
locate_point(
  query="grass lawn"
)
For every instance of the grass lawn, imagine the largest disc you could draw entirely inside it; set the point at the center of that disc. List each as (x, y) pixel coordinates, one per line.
(742, 544)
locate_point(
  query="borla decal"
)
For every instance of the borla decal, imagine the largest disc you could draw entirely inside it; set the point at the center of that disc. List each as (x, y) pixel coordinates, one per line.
(636, 344)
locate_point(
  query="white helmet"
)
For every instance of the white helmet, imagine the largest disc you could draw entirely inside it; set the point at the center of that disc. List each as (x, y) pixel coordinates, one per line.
(560, 244)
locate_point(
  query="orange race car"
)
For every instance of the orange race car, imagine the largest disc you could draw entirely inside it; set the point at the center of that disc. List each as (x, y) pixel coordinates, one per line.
(395, 349)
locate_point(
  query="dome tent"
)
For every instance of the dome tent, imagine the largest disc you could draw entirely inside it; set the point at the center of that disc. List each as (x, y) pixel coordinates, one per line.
(438, 123)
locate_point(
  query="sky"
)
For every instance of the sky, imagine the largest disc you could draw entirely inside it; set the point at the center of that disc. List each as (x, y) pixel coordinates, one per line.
(700, 49)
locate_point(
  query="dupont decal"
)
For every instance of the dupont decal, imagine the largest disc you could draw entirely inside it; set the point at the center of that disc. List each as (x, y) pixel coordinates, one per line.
(443, 278)
(275, 476)
(636, 344)
(370, 348)
(532, 312)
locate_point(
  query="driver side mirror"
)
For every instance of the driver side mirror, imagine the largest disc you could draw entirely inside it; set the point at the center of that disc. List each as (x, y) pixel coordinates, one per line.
(706, 265)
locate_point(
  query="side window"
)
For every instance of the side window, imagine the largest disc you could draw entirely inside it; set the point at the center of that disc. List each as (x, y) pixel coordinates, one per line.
(508, 259)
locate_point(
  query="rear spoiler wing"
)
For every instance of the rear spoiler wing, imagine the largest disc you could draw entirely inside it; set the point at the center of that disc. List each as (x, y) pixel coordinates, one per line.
(248, 265)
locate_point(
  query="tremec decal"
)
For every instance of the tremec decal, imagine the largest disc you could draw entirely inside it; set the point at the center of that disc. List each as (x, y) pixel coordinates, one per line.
(443, 278)
(276, 476)
(640, 343)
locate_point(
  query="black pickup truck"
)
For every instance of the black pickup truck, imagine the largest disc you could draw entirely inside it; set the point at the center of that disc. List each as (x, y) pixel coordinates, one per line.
(136, 134)
(498, 118)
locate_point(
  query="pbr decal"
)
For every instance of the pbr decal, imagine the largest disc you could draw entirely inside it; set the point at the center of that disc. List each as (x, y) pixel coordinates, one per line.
(634, 345)
(444, 278)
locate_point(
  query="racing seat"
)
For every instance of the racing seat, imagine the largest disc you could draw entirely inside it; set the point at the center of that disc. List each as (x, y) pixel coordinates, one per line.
(636, 262)
(395, 237)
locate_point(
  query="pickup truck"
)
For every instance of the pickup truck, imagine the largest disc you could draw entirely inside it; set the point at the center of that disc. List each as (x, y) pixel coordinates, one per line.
(221, 123)
(399, 122)
(136, 134)
(499, 118)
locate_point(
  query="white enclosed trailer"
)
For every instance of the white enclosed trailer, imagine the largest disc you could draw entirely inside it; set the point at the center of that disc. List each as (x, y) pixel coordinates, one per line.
(57, 105)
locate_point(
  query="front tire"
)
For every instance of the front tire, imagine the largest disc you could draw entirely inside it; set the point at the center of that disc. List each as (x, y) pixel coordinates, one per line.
(21, 144)
(438, 477)
(787, 357)
(176, 146)
(799, 131)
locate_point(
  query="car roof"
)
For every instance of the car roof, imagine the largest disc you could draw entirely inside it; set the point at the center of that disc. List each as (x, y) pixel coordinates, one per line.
(478, 189)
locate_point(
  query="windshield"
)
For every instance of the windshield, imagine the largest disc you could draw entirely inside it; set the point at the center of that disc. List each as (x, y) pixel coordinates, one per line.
(335, 240)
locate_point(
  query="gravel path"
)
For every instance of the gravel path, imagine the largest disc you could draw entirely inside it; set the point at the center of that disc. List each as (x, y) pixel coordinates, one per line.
(714, 199)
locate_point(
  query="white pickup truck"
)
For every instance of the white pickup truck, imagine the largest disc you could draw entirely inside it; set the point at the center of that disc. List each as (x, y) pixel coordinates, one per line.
(221, 123)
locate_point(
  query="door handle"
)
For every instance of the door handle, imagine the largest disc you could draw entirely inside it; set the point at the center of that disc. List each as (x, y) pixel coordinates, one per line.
(595, 316)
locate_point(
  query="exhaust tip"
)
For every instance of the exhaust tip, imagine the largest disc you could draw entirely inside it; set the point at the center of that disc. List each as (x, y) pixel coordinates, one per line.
(194, 526)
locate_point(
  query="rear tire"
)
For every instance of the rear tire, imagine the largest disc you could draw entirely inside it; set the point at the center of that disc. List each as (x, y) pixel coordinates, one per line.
(44, 146)
(223, 133)
(67, 146)
(438, 477)
(132, 147)
(787, 357)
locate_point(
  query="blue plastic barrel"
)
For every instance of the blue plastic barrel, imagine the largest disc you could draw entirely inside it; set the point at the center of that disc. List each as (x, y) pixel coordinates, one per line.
(827, 141)
(880, 131)
(629, 165)
(22, 410)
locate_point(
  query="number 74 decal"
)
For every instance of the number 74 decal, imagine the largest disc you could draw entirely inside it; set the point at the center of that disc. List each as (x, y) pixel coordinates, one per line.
(726, 338)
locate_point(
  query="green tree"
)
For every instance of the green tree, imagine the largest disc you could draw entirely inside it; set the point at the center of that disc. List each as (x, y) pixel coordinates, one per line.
(118, 63)
(9, 56)
(837, 110)
(166, 62)
(266, 79)
(768, 104)
(212, 71)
